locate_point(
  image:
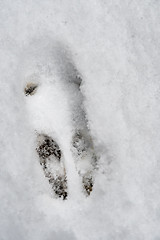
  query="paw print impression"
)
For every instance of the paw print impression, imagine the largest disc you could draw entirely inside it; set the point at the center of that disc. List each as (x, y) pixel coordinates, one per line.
(30, 88)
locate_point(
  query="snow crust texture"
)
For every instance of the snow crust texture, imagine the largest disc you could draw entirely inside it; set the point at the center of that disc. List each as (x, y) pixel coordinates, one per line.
(82, 73)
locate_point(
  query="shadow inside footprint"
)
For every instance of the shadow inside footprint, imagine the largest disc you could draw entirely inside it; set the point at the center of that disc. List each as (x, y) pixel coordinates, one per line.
(85, 158)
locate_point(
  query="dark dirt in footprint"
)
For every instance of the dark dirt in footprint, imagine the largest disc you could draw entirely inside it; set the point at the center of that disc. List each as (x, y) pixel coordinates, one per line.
(30, 89)
(88, 184)
(48, 147)
(50, 154)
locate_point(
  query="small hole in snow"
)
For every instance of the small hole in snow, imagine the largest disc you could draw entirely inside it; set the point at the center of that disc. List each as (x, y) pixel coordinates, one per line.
(30, 89)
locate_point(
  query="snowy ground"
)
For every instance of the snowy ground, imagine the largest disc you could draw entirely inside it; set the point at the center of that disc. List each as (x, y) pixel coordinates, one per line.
(115, 47)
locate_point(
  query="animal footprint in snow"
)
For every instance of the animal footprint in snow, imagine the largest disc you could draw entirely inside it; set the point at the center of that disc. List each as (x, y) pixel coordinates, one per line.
(51, 161)
(50, 156)
(30, 88)
(58, 107)
(85, 158)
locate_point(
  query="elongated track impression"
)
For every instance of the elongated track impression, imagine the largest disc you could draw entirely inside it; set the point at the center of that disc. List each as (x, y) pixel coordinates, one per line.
(50, 153)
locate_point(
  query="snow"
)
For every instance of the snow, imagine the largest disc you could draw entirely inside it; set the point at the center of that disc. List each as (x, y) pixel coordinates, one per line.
(114, 45)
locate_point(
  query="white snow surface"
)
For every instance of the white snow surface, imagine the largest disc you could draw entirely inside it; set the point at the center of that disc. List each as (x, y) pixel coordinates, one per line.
(115, 46)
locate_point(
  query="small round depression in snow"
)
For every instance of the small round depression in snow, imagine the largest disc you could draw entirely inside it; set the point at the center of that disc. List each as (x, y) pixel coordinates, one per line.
(30, 88)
